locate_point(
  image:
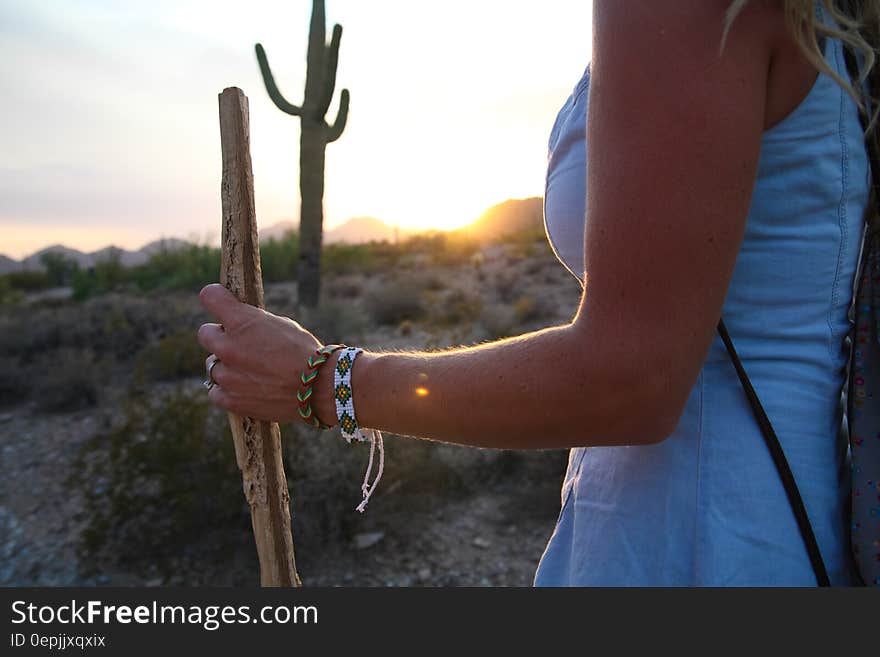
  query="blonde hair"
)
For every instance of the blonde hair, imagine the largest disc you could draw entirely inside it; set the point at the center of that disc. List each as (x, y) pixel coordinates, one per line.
(859, 29)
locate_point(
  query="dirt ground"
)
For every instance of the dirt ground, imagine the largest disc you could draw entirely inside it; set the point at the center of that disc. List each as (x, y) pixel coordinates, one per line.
(491, 537)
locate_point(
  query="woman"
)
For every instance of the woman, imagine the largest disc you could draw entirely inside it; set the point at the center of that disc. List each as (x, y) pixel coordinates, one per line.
(723, 181)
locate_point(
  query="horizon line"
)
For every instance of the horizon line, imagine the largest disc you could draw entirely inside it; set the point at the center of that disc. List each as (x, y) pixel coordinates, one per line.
(214, 243)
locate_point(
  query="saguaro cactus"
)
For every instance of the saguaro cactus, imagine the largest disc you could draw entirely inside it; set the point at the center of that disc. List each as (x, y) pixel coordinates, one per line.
(321, 61)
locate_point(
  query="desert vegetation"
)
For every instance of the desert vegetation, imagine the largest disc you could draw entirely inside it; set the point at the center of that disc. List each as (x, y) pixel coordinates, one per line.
(120, 472)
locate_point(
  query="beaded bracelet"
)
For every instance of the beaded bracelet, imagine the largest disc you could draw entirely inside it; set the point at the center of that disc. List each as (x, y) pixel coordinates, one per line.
(344, 397)
(307, 379)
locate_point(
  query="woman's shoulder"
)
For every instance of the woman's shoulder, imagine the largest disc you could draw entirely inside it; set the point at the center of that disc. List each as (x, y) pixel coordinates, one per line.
(790, 76)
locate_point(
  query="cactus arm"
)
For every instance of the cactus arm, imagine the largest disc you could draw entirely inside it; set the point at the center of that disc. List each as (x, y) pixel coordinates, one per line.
(330, 77)
(279, 100)
(335, 131)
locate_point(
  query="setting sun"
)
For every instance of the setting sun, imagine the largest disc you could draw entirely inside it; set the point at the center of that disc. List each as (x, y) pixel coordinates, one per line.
(435, 134)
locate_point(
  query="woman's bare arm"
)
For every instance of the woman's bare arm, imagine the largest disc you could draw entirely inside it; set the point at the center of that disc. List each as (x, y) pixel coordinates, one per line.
(674, 135)
(531, 391)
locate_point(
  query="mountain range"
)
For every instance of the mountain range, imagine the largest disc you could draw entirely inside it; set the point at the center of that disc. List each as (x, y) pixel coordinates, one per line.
(509, 216)
(354, 231)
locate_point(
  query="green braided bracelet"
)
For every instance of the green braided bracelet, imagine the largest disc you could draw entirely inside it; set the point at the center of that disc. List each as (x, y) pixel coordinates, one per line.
(307, 379)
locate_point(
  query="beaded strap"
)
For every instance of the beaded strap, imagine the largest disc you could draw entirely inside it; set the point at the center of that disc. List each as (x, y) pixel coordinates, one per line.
(344, 398)
(307, 379)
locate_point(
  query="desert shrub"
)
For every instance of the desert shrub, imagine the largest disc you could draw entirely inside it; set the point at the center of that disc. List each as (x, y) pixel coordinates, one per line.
(526, 309)
(453, 248)
(507, 286)
(325, 475)
(26, 280)
(519, 250)
(280, 298)
(456, 307)
(347, 287)
(17, 332)
(334, 321)
(498, 322)
(9, 296)
(187, 268)
(397, 300)
(15, 383)
(528, 245)
(106, 275)
(52, 348)
(279, 257)
(386, 255)
(534, 266)
(347, 259)
(60, 269)
(161, 485)
(116, 326)
(173, 356)
(531, 238)
(434, 282)
(65, 380)
(118, 330)
(86, 284)
(161, 488)
(459, 249)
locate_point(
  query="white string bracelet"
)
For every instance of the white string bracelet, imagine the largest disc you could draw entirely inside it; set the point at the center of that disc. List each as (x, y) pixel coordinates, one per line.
(344, 398)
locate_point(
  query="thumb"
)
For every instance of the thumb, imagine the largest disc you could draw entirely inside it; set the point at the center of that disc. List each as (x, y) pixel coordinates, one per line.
(223, 305)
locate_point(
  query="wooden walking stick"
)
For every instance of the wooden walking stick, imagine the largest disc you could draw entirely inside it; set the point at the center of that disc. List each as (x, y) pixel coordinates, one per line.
(257, 443)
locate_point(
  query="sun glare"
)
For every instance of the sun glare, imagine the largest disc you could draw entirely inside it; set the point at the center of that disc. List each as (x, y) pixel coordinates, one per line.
(435, 136)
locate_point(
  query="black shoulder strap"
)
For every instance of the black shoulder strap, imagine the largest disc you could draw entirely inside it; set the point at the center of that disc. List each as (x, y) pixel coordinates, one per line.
(788, 481)
(791, 489)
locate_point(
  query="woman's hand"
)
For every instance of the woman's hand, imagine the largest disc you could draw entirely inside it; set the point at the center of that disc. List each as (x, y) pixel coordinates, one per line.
(261, 356)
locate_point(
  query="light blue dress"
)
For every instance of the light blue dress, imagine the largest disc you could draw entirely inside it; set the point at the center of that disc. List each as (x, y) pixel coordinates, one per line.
(706, 506)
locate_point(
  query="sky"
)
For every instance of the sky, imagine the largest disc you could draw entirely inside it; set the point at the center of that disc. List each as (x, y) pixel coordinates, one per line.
(109, 131)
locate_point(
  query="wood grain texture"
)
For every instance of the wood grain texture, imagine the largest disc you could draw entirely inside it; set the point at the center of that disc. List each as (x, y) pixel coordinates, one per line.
(257, 443)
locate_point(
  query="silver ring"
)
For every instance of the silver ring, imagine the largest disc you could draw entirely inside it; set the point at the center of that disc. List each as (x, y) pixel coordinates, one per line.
(209, 382)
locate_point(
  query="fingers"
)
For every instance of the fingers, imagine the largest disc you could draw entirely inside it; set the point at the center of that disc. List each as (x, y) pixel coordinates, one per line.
(223, 305)
(220, 397)
(233, 381)
(214, 339)
(253, 407)
(242, 384)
